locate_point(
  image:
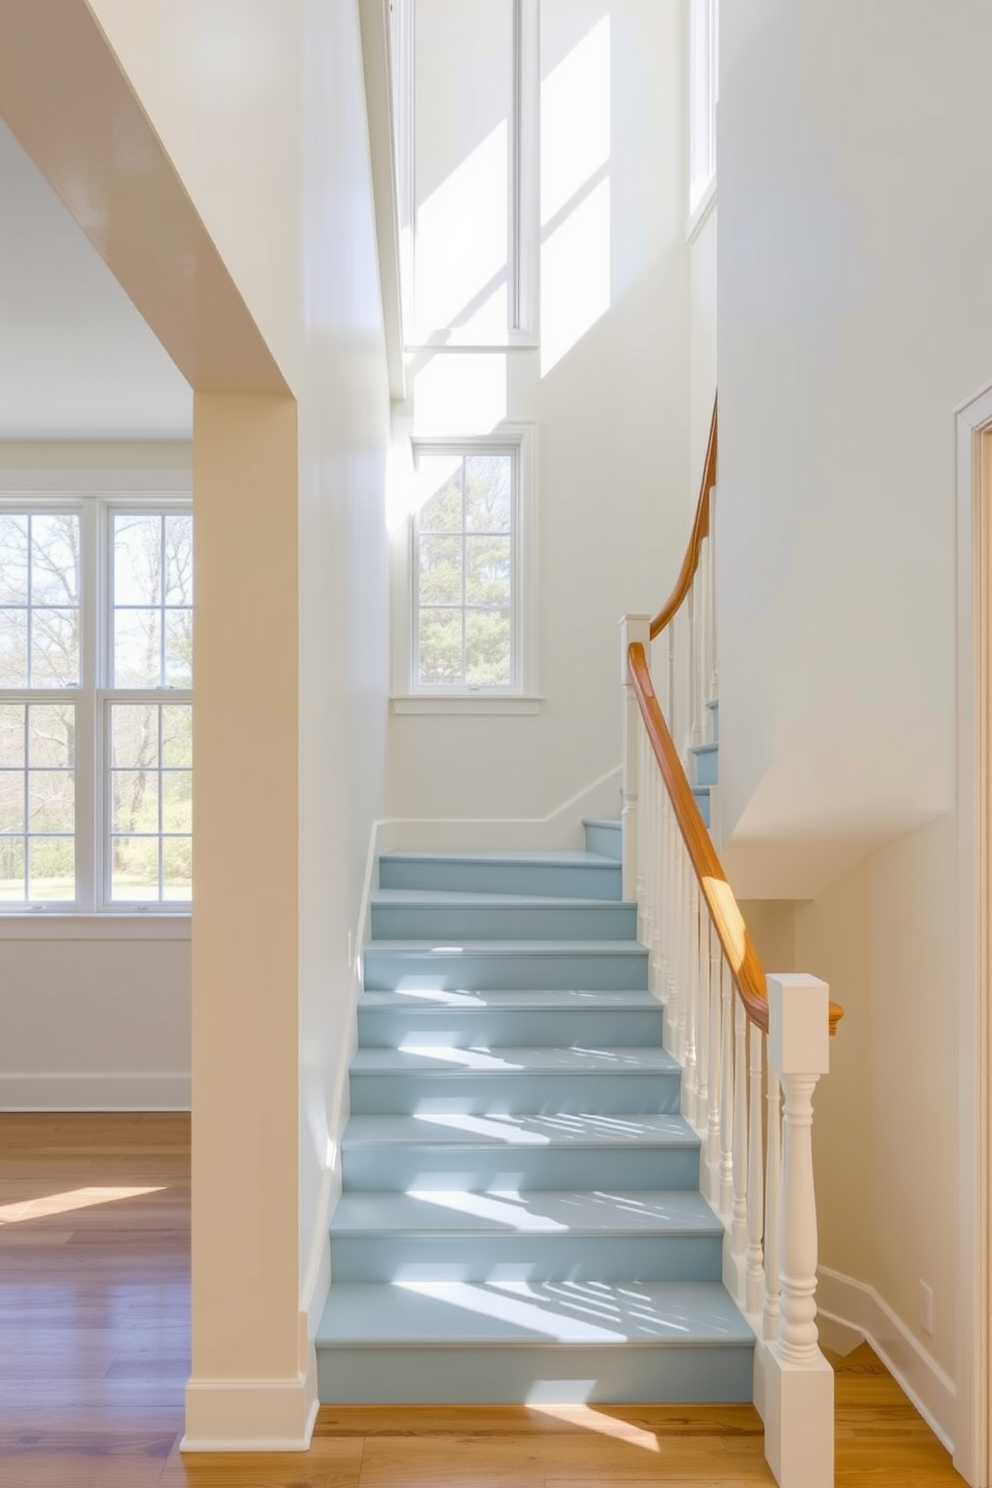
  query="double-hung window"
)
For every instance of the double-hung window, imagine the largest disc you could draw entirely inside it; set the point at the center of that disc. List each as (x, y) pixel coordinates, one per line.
(95, 703)
(470, 569)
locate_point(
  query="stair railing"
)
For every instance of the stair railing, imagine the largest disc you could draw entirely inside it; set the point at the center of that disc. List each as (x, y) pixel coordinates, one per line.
(751, 1048)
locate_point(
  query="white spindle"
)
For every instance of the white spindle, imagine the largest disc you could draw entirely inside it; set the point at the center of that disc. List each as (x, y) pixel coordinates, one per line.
(726, 1091)
(798, 1332)
(738, 1233)
(773, 1189)
(690, 672)
(713, 1110)
(632, 628)
(702, 955)
(756, 1183)
(690, 961)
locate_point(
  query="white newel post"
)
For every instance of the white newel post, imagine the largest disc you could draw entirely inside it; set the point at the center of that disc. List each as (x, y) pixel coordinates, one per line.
(798, 1381)
(632, 628)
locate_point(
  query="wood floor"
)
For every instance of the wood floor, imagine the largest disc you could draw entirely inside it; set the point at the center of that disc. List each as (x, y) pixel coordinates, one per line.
(94, 1354)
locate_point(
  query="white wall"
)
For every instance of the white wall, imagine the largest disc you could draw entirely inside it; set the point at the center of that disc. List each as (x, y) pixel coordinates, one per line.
(614, 486)
(94, 1016)
(855, 313)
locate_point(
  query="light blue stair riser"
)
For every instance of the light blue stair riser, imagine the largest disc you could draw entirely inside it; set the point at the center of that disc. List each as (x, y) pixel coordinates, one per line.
(604, 837)
(433, 1165)
(480, 1094)
(568, 876)
(620, 966)
(705, 766)
(618, 1374)
(702, 795)
(388, 1028)
(457, 922)
(571, 1257)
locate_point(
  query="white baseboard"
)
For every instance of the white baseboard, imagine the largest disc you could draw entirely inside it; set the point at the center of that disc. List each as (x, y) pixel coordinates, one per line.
(250, 1415)
(848, 1309)
(95, 1092)
(559, 830)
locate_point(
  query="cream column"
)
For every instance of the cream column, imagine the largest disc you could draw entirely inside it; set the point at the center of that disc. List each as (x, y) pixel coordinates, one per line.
(247, 1387)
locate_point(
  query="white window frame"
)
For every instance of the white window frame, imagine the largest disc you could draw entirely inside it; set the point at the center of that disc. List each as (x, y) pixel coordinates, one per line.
(523, 248)
(703, 96)
(95, 495)
(521, 696)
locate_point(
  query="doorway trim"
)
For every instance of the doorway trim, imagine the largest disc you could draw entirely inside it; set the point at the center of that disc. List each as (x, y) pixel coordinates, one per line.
(974, 777)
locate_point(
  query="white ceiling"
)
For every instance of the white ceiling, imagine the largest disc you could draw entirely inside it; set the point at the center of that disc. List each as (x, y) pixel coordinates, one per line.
(76, 359)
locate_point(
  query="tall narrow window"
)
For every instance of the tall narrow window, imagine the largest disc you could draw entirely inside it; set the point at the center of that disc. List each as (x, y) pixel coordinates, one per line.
(464, 593)
(466, 152)
(704, 78)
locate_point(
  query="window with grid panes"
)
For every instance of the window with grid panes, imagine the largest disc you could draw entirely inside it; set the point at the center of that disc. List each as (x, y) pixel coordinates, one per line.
(95, 704)
(464, 630)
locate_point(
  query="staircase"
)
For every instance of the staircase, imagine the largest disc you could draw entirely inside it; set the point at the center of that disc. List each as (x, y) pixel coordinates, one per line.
(520, 1218)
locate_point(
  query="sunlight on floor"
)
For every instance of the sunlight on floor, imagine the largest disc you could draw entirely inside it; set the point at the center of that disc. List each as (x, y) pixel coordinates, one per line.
(65, 1203)
(587, 1418)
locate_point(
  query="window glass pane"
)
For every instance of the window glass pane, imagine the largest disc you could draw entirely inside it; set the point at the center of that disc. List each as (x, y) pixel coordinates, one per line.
(55, 559)
(51, 801)
(13, 560)
(487, 493)
(137, 559)
(11, 800)
(134, 801)
(441, 505)
(177, 735)
(440, 637)
(134, 734)
(51, 736)
(134, 869)
(462, 137)
(137, 648)
(52, 868)
(12, 720)
(13, 648)
(177, 793)
(54, 648)
(487, 570)
(177, 868)
(178, 560)
(12, 885)
(440, 570)
(487, 648)
(179, 648)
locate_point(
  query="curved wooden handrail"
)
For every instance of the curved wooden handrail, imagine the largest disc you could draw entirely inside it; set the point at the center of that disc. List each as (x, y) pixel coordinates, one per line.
(723, 907)
(700, 529)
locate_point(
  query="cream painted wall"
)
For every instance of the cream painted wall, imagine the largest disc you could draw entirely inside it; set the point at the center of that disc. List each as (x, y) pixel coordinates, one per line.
(614, 485)
(855, 313)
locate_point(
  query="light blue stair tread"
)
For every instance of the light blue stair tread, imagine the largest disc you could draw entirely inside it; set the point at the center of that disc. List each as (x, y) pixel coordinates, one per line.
(523, 857)
(497, 1061)
(532, 1213)
(524, 1131)
(610, 822)
(552, 948)
(498, 1313)
(441, 897)
(436, 999)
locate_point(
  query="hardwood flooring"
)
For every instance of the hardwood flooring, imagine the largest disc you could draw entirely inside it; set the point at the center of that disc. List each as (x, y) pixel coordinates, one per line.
(94, 1354)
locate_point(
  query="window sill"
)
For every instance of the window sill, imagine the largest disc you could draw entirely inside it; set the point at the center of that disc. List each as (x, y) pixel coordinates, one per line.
(457, 339)
(467, 703)
(114, 925)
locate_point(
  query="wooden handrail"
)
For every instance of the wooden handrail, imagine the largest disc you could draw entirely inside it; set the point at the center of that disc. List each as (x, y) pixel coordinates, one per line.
(700, 529)
(723, 907)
